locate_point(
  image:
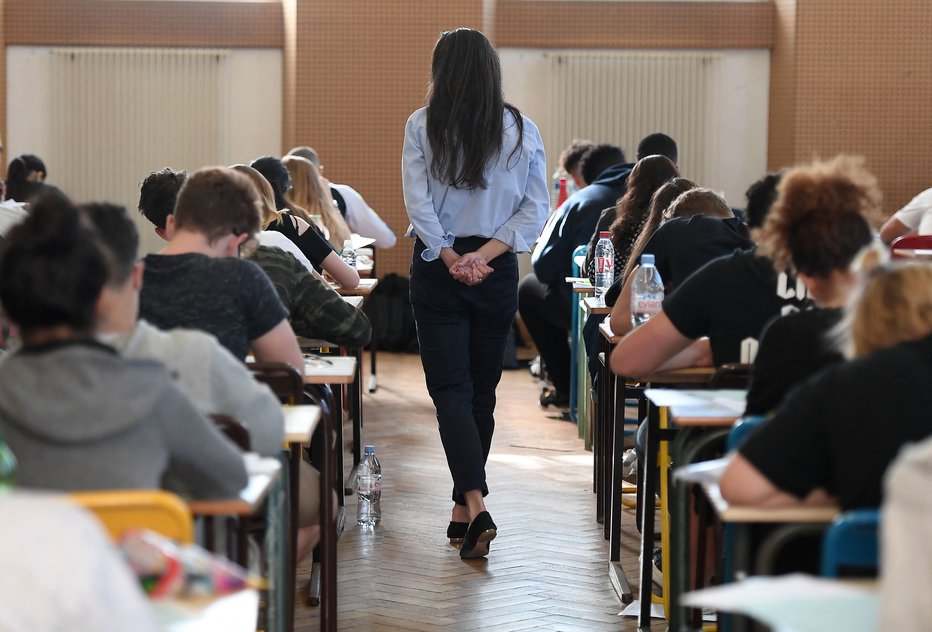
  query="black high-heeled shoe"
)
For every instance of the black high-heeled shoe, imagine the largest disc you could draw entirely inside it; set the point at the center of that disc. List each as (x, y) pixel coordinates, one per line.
(457, 531)
(481, 531)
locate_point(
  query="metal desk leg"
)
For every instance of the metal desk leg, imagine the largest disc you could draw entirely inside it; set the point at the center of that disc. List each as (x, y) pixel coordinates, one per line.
(354, 407)
(613, 515)
(647, 504)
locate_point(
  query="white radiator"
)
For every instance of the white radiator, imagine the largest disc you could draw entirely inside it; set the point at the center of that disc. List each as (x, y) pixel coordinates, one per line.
(120, 113)
(620, 97)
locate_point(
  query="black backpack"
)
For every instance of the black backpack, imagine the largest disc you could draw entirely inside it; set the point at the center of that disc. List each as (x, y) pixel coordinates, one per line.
(389, 311)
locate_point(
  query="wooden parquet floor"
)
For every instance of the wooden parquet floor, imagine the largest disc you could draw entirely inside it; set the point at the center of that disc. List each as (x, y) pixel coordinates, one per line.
(547, 569)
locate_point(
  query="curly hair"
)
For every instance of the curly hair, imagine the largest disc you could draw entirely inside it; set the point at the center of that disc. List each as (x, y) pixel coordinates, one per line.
(822, 216)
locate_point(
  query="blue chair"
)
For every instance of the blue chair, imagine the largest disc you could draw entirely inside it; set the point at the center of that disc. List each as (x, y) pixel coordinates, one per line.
(742, 429)
(574, 335)
(851, 542)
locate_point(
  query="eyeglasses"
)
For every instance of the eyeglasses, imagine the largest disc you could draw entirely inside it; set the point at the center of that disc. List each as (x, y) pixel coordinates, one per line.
(248, 248)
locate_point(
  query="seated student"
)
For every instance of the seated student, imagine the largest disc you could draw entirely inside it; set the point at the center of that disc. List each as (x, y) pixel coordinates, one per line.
(199, 282)
(157, 195)
(571, 163)
(270, 214)
(631, 213)
(834, 436)
(544, 297)
(307, 193)
(294, 224)
(698, 227)
(913, 219)
(729, 300)
(906, 545)
(314, 310)
(62, 572)
(817, 225)
(77, 415)
(22, 177)
(362, 219)
(216, 382)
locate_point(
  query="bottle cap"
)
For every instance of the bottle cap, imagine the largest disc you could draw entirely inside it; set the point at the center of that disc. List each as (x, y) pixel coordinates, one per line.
(605, 233)
(369, 449)
(645, 259)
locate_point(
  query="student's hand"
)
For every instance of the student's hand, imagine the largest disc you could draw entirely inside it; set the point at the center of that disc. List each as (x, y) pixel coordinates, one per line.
(471, 269)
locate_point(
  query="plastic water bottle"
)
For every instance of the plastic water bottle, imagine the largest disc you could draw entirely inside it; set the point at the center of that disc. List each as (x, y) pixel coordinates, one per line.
(646, 291)
(348, 254)
(369, 489)
(604, 263)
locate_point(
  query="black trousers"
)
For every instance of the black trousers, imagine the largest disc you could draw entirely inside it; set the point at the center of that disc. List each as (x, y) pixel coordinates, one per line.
(462, 332)
(548, 318)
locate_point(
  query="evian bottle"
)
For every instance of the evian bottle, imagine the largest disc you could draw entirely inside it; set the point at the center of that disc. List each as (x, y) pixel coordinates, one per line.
(646, 291)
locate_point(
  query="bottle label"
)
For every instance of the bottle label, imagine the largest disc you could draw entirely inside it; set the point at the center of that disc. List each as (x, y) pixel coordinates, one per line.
(646, 305)
(604, 264)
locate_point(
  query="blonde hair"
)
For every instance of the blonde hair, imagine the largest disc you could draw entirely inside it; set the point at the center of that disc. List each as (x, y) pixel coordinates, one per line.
(270, 214)
(311, 196)
(892, 305)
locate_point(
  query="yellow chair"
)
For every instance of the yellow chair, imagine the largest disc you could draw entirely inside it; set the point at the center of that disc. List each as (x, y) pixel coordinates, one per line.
(121, 510)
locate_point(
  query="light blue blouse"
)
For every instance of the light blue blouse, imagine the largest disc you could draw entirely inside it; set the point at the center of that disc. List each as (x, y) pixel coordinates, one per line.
(512, 209)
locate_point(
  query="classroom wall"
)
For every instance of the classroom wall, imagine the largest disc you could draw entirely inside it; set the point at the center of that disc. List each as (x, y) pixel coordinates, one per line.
(844, 74)
(855, 76)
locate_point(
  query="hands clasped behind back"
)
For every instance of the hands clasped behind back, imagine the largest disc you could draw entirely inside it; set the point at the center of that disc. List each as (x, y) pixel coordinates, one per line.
(470, 268)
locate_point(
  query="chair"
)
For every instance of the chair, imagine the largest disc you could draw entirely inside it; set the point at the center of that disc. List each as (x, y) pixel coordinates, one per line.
(909, 242)
(284, 380)
(122, 510)
(851, 542)
(732, 375)
(574, 336)
(742, 429)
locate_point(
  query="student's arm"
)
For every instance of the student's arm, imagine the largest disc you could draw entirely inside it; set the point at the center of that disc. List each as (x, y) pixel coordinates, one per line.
(236, 393)
(893, 228)
(319, 312)
(620, 319)
(344, 274)
(743, 484)
(699, 353)
(647, 348)
(278, 345)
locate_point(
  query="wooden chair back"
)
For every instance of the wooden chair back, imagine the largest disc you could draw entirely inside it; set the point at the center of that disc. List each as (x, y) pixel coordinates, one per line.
(284, 380)
(234, 430)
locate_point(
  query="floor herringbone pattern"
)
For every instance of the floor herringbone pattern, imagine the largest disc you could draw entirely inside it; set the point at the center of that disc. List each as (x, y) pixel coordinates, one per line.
(547, 569)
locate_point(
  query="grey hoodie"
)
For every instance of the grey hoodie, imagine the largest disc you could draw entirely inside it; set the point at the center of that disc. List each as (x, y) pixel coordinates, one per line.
(216, 382)
(79, 417)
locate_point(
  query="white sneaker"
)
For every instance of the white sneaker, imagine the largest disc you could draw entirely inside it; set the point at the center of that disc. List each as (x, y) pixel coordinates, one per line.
(535, 366)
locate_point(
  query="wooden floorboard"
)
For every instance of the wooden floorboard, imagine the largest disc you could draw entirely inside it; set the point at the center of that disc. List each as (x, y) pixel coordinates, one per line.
(548, 567)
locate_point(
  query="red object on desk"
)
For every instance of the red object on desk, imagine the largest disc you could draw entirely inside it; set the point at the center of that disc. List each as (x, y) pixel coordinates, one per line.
(562, 195)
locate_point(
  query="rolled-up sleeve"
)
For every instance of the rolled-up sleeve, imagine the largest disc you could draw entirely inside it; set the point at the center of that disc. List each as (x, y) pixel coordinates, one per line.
(423, 217)
(523, 228)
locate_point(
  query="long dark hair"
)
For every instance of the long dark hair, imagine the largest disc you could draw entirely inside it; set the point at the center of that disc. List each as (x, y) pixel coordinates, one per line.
(648, 175)
(465, 107)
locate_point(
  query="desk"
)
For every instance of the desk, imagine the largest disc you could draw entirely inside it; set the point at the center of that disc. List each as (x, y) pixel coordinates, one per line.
(236, 612)
(703, 419)
(364, 288)
(912, 253)
(579, 376)
(300, 423)
(265, 484)
(355, 301)
(329, 370)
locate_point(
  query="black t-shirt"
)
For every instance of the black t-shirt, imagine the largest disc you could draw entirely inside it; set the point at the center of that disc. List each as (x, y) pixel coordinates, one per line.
(683, 245)
(842, 428)
(792, 348)
(311, 242)
(227, 297)
(730, 299)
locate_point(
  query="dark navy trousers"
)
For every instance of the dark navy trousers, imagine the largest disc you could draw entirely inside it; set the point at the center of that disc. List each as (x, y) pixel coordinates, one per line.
(462, 333)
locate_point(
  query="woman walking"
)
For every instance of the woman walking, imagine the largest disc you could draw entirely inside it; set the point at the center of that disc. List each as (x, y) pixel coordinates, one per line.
(476, 193)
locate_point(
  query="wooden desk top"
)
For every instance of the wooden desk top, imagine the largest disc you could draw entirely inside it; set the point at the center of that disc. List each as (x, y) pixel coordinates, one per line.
(729, 513)
(355, 301)
(592, 305)
(263, 472)
(693, 375)
(605, 328)
(329, 370)
(364, 288)
(710, 408)
(236, 612)
(300, 423)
